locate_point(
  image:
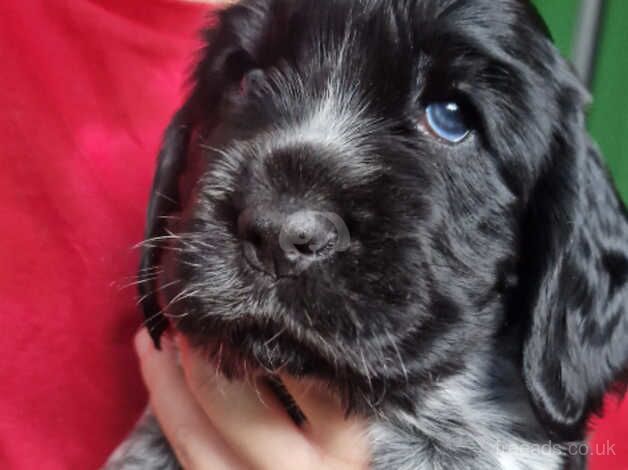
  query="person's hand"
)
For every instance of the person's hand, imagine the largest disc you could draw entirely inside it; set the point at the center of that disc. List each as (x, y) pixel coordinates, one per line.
(213, 423)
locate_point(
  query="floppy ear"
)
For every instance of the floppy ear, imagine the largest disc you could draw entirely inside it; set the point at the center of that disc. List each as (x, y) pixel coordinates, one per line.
(574, 267)
(164, 200)
(230, 41)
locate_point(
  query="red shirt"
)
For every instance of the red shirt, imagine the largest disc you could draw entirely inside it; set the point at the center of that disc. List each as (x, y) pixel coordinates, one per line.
(86, 89)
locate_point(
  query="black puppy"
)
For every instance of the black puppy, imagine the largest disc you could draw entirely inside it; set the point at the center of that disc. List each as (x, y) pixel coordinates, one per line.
(397, 198)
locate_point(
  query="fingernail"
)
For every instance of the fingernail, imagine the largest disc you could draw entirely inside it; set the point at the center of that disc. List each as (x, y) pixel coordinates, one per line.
(178, 340)
(143, 342)
(167, 343)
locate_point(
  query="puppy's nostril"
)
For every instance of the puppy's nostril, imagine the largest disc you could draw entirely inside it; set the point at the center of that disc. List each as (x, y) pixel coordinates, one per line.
(258, 229)
(254, 237)
(249, 228)
(304, 249)
(302, 244)
(319, 242)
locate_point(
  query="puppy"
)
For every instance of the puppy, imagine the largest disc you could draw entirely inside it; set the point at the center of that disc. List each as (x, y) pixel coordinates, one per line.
(398, 199)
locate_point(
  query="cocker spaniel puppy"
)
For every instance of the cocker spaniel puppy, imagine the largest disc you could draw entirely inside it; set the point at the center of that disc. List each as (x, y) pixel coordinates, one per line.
(398, 199)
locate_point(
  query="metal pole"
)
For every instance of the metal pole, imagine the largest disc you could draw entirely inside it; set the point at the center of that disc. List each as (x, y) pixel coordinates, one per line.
(587, 37)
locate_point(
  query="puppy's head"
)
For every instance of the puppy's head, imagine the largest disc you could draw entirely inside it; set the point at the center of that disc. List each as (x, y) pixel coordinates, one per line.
(368, 192)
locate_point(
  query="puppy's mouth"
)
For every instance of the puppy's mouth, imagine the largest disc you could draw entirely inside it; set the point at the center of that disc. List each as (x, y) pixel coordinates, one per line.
(244, 346)
(267, 346)
(250, 343)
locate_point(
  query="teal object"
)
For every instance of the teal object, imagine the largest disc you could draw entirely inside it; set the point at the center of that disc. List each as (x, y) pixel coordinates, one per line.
(608, 119)
(561, 17)
(608, 116)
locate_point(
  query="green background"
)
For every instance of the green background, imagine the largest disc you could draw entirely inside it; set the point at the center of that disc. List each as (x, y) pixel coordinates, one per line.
(608, 117)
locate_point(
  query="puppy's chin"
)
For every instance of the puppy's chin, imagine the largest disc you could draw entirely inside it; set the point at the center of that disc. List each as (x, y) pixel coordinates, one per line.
(246, 352)
(246, 348)
(246, 345)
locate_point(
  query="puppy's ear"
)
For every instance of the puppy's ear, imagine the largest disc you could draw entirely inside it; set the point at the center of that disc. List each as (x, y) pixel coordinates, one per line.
(574, 267)
(228, 55)
(164, 200)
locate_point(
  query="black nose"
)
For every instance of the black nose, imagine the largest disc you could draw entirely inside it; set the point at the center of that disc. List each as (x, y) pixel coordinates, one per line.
(286, 244)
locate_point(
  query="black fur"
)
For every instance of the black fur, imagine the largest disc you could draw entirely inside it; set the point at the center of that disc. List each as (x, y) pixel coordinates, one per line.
(513, 241)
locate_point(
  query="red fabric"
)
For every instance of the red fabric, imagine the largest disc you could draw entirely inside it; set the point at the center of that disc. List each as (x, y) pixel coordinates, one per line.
(86, 89)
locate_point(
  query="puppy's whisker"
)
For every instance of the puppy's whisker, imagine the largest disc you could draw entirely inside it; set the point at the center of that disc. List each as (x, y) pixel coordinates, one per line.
(177, 316)
(163, 196)
(275, 336)
(160, 288)
(181, 238)
(203, 244)
(143, 272)
(137, 282)
(185, 294)
(402, 363)
(365, 368)
(154, 317)
(152, 240)
(368, 403)
(150, 269)
(134, 281)
(219, 362)
(220, 152)
(165, 247)
(192, 265)
(260, 397)
(161, 314)
(172, 248)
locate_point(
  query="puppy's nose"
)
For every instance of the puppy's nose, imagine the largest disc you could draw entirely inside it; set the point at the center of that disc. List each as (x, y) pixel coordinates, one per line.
(285, 244)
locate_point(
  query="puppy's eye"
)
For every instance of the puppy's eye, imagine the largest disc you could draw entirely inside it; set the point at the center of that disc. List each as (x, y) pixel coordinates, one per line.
(243, 74)
(251, 81)
(237, 65)
(447, 120)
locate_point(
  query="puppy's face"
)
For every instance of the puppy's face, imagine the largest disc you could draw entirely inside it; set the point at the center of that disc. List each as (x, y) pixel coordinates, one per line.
(355, 181)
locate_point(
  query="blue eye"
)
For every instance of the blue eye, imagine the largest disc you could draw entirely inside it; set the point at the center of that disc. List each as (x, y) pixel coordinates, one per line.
(447, 121)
